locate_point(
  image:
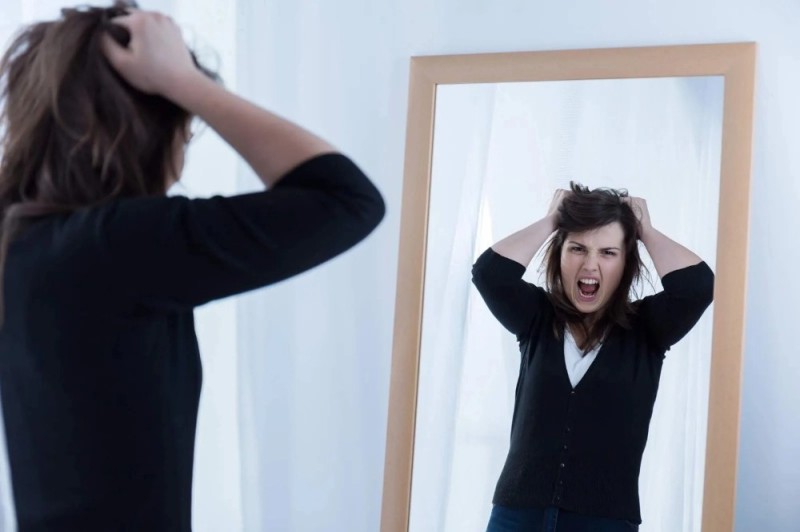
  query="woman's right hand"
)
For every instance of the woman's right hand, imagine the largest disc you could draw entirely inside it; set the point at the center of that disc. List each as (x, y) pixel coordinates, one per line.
(555, 203)
(156, 60)
(523, 245)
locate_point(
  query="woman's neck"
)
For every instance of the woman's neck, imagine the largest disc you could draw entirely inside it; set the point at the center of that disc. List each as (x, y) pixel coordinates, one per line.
(580, 333)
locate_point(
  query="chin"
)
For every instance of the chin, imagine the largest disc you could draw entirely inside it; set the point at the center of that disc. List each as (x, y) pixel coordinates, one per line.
(587, 308)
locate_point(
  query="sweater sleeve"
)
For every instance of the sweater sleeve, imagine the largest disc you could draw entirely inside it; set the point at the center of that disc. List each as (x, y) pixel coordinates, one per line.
(178, 253)
(514, 302)
(670, 314)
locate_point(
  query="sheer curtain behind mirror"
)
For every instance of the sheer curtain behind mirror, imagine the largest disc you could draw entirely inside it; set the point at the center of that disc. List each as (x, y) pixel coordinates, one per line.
(499, 153)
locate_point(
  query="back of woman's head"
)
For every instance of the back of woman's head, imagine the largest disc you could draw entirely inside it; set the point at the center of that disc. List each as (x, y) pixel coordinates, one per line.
(584, 210)
(75, 134)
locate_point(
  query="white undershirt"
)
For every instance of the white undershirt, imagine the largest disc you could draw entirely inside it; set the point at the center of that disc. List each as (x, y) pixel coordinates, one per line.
(576, 364)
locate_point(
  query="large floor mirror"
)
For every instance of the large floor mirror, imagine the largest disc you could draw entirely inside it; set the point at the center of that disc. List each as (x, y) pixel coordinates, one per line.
(490, 137)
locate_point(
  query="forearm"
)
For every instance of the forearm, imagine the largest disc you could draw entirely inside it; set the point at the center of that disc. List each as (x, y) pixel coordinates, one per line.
(522, 246)
(667, 254)
(270, 144)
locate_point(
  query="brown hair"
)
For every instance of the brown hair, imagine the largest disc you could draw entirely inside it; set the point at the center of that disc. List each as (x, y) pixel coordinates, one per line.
(584, 210)
(74, 133)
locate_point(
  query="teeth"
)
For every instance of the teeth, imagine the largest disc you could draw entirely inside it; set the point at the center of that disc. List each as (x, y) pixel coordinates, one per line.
(587, 281)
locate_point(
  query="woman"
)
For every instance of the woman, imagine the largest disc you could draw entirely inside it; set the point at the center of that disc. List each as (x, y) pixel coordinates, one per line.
(591, 358)
(99, 365)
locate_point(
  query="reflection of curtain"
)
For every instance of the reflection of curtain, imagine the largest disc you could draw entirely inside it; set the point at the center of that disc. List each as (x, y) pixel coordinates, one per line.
(456, 224)
(658, 138)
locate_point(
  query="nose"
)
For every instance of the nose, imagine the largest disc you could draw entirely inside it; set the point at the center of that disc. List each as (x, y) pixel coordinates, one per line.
(590, 264)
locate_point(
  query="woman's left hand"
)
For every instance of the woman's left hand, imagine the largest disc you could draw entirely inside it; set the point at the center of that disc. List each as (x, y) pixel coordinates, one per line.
(639, 206)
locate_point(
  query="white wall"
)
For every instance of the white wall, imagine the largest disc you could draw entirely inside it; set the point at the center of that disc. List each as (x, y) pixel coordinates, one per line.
(341, 68)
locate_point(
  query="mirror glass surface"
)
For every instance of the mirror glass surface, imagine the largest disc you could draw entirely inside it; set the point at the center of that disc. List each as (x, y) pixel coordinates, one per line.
(499, 152)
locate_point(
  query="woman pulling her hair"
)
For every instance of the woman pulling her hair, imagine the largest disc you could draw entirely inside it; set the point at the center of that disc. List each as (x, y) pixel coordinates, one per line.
(99, 366)
(590, 358)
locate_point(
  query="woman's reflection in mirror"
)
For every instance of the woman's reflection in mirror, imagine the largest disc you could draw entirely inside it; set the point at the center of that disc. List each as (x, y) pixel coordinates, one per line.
(591, 357)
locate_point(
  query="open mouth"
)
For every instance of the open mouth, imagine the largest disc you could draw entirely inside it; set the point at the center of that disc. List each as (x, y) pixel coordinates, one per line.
(588, 289)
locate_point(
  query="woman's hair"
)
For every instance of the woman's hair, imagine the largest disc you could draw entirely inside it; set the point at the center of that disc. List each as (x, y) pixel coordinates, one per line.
(584, 210)
(73, 132)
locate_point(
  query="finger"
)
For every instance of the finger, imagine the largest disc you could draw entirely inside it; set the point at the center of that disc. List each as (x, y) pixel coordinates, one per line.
(131, 21)
(114, 51)
(119, 33)
(126, 19)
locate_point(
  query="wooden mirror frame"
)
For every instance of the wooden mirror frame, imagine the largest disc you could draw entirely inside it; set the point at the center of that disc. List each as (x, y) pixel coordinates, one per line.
(736, 62)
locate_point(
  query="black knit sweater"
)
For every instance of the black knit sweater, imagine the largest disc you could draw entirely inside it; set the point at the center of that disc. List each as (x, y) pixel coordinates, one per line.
(581, 448)
(99, 364)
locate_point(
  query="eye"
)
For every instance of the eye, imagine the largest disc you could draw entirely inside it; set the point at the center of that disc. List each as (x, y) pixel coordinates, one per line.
(610, 253)
(576, 249)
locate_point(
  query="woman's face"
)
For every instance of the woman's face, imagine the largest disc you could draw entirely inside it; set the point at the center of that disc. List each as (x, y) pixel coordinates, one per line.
(592, 263)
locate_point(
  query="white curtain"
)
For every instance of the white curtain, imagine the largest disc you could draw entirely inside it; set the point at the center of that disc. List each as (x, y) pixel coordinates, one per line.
(499, 153)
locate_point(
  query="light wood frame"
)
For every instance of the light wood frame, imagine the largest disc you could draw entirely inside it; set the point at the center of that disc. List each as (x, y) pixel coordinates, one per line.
(736, 62)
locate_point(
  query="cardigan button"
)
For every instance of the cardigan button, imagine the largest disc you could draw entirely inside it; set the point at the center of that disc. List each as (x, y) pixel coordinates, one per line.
(562, 465)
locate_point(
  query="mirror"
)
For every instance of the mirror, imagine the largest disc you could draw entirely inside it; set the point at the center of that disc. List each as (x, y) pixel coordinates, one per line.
(660, 138)
(497, 141)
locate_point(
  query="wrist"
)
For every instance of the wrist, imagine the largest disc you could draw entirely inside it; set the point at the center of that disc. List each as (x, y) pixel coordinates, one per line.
(647, 233)
(183, 89)
(549, 222)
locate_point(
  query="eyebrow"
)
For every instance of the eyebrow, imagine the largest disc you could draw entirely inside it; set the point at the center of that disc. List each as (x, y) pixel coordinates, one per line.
(583, 246)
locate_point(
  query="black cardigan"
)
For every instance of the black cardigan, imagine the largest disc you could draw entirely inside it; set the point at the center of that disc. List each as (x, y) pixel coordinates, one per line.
(99, 365)
(581, 449)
